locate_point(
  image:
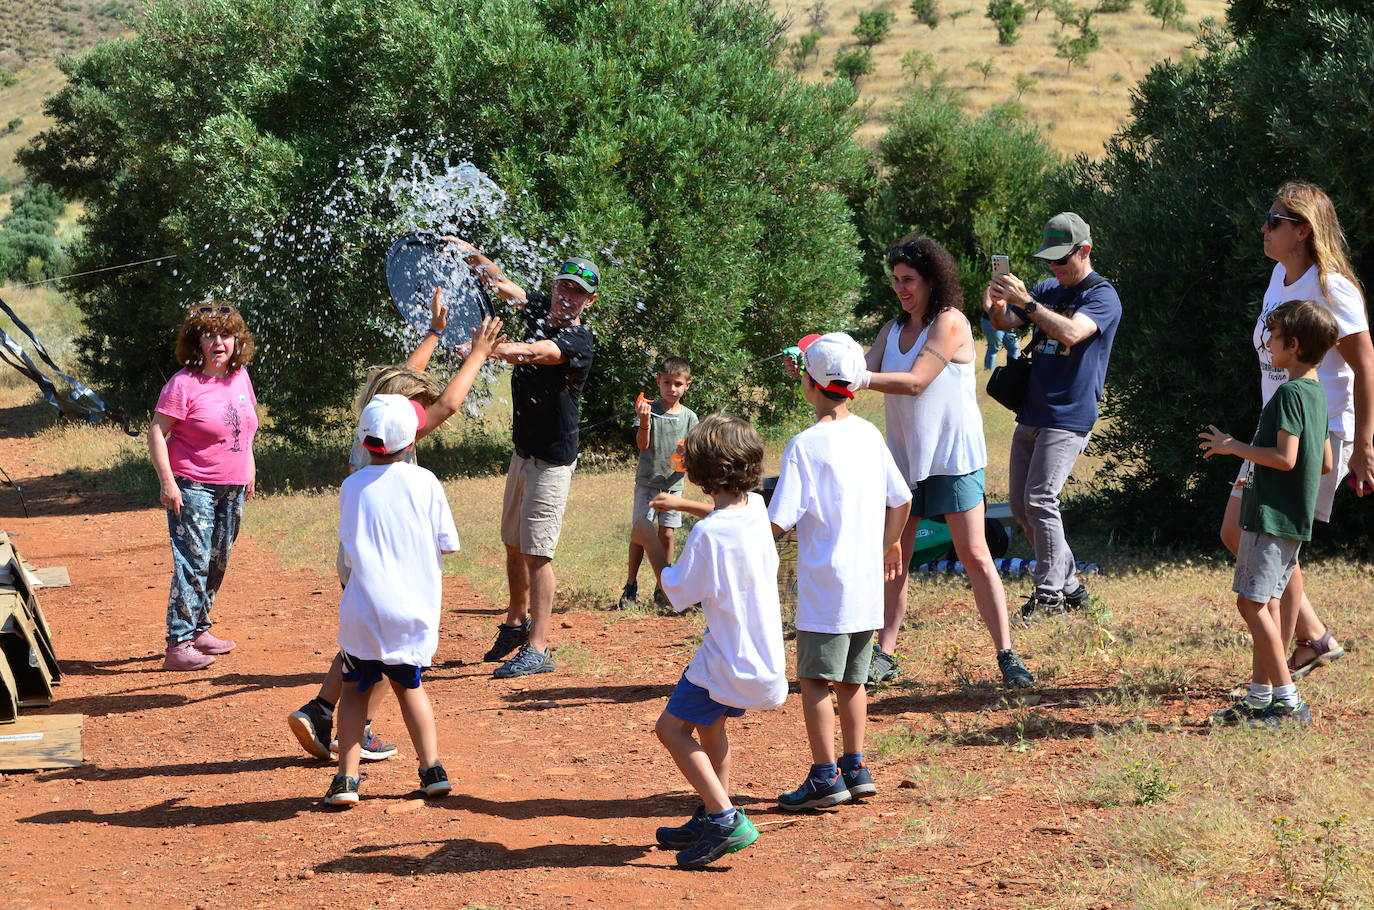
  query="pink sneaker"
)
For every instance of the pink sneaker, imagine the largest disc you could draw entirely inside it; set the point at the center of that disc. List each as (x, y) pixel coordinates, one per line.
(206, 643)
(184, 656)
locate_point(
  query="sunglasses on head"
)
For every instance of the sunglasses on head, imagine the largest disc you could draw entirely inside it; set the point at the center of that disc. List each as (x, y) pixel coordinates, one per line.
(214, 310)
(1064, 260)
(1272, 219)
(587, 275)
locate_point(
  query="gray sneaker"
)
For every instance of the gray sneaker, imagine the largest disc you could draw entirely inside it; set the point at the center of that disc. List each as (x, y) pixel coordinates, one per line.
(629, 597)
(526, 662)
(882, 667)
(1014, 672)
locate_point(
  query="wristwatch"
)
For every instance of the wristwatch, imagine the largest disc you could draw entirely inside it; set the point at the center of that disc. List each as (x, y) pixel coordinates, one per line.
(1030, 306)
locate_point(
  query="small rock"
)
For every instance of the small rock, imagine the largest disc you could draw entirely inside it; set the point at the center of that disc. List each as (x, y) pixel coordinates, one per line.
(565, 624)
(907, 784)
(409, 805)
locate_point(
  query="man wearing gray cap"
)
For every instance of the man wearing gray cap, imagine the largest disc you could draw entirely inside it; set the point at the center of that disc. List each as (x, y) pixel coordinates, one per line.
(1074, 316)
(551, 366)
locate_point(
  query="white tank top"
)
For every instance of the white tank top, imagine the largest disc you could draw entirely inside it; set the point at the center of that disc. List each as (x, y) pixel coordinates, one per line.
(940, 431)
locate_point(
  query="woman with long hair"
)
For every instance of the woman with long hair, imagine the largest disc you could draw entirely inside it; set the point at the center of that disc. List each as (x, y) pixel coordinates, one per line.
(1311, 262)
(924, 361)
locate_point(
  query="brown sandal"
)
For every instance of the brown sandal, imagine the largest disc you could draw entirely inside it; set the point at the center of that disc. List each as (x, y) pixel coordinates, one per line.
(1326, 649)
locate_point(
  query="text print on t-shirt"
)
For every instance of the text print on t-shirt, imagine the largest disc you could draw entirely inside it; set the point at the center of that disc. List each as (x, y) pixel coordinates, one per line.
(1048, 346)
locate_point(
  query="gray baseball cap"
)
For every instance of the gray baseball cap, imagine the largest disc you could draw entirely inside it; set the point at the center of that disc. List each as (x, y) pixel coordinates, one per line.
(582, 271)
(1063, 232)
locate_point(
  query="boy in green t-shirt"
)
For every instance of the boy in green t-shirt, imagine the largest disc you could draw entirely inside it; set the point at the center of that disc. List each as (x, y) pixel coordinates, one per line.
(663, 424)
(1289, 454)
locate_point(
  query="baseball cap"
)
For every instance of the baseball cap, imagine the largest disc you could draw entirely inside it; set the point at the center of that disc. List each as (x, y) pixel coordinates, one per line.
(581, 271)
(393, 419)
(1063, 232)
(832, 358)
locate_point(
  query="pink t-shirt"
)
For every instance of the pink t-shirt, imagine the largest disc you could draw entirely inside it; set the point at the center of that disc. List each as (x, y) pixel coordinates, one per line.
(212, 441)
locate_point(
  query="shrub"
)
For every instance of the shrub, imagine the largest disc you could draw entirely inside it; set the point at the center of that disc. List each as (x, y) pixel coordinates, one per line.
(852, 63)
(927, 12)
(1007, 15)
(1168, 12)
(804, 48)
(874, 25)
(1114, 6)
(667, 139)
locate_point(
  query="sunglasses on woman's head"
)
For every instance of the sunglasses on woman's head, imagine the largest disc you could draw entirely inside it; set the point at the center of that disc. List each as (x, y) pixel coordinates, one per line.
(1272, 219)
(214, 310)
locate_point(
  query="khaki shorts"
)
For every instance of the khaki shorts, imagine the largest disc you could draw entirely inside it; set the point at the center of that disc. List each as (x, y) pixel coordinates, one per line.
(532, 512)
(1341, 450)
(835, 657)
(665, 519)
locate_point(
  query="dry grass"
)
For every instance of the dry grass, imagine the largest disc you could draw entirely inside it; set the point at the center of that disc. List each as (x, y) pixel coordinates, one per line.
(1078, 110)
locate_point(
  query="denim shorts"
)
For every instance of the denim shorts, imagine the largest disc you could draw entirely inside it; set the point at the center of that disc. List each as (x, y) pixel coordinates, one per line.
(695, 705)
(367, 673)
(947, 494)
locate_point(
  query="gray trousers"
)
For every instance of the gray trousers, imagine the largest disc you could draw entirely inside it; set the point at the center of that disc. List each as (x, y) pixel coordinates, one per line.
(1041, 459)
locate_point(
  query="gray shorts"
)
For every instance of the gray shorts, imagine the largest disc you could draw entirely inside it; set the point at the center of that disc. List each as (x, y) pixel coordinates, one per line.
(1264, 564)
(532, 512)
(1341, 450)
(668, 519)
(835, 657)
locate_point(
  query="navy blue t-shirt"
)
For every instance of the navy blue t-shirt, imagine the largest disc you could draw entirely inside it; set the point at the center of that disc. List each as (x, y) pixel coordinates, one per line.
(546, 399)
(1067, 381)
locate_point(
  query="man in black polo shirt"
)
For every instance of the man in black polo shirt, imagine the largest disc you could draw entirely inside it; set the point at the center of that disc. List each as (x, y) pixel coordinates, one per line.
(551, 366)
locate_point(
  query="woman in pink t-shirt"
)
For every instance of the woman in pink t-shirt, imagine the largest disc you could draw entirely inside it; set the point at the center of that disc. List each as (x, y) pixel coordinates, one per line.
(201, 445)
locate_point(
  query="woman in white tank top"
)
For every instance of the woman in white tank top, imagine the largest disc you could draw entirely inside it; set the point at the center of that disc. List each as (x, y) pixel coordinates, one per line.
(923, 360)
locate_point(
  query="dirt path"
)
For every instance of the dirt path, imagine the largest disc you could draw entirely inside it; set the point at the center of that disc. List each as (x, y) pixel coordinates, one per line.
(195, 795)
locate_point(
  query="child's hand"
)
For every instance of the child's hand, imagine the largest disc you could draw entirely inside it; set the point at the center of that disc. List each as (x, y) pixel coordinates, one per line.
(1214, 442)
(486, 337)
(643, 408)
(792, 363)
(892, 561)
(666, 502)
(438, 311)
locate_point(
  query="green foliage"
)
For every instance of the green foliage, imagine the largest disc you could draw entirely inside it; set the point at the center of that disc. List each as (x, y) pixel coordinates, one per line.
(1075, 49)
(14, 124)
(977, 185)
(955, 15)
(1023, 83)
(853, 63)
(1039, 6)
(28, 243)
(874, 25)
(1007, 15)
(1065, 13)
(917, 63)
(1114, 6)
(1168, 12)
(661, 132)
(1175, 207)
(803, 49)
(984, 66)
(927, 12)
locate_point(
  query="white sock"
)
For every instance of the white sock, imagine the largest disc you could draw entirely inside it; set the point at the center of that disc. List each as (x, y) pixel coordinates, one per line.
(1287, 695)
(1259, 695)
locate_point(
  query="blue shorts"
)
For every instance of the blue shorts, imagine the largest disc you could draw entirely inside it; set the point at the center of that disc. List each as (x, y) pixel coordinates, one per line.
(946, 494)
(367, 673)
(695, 705)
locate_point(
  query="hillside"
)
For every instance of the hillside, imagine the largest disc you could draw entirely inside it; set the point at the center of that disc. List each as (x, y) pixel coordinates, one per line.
(1077, 110)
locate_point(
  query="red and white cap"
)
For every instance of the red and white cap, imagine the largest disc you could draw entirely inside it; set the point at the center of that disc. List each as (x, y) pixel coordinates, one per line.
(834, 357)
(392, 419)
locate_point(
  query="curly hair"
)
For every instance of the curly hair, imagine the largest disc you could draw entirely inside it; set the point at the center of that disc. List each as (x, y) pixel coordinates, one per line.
(214, 316)
(933, 263)
(397, 380)
(723, 454)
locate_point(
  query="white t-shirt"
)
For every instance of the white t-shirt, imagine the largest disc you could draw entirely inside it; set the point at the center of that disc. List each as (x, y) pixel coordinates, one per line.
(730, 566)
(394, 525)
(1337, 378)
(836, 484)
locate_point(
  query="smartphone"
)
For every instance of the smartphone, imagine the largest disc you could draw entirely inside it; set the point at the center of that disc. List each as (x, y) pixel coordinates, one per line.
(1001, 265)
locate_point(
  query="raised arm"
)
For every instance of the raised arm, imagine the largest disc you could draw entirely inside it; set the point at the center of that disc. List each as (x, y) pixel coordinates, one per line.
(1069, 330)
(438, 321)
(487, 272)
(484, 339)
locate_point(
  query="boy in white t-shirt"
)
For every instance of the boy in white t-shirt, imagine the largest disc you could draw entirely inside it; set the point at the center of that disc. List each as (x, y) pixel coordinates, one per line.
(394, 527)
(730, 566)
(840, 488)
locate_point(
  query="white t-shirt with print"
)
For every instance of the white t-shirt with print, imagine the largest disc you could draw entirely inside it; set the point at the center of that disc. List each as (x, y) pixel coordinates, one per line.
(394, 526)
(730, 566)
(1337, 378)
(837, 482)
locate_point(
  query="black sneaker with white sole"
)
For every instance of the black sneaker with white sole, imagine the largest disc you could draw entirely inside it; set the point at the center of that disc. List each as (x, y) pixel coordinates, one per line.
(434, 782)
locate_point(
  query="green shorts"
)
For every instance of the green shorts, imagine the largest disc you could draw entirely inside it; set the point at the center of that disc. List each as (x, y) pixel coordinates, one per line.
(837, 657)
(947, 494)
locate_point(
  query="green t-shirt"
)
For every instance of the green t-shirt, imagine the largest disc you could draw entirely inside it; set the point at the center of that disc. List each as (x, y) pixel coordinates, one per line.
(665, 432)
(1282, 503)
